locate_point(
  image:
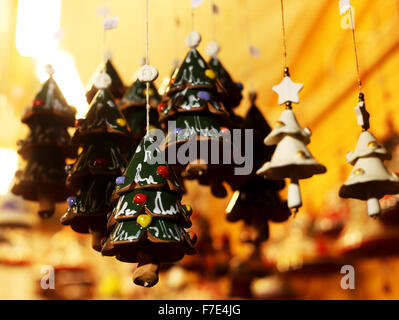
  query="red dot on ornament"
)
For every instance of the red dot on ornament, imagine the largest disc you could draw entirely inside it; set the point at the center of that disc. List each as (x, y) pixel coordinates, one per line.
(78, 122)
(172, 80)
(161, 107)
(103, 240)
(100, 163)
(140, 198)
(38, 102)
(164, 171)
(224, 130)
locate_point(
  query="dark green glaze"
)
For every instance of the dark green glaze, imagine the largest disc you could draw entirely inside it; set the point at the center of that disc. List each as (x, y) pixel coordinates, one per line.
(100, 161)
(54, 109)
(45, 168)
(162, 204)
(102, 116)
(104, 148)
(133, 107)
(136, 95)
(92, 204)
(46, 146)
(164, 237)
(192, 71)
(234, 96)
(143, 174)
(45, 135)
(194, 126)
(117, 88)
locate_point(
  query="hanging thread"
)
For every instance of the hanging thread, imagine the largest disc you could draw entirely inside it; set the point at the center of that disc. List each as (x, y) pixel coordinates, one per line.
(147, 94)
(213, 20)
(192, 18)
(355, 50)
(284, 35)
(104, 35)
(251, 65)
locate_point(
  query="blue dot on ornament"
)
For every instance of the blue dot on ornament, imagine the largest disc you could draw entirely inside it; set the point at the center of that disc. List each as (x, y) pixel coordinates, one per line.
(178, 130)
(120, 180)
(71, 201)
(204, 95)
(240, 85)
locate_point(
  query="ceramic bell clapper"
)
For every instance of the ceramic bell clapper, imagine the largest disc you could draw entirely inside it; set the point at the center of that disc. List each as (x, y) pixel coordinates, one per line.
(291, 159)
(369, 179)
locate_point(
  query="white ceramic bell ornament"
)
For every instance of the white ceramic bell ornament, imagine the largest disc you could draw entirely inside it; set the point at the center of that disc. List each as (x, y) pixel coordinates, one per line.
(369, 179)
(291, 158)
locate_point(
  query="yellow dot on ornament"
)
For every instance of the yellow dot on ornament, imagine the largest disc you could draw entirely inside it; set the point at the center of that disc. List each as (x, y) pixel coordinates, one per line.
(359, 171)
(150, 92)
(301, 154)
(144, 220)
(121, 122)
(188, 208)
(372, 144)
(279, 124)
(210, 73)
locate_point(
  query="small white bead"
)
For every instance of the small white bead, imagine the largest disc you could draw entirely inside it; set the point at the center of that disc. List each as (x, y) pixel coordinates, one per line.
(212, 49)
(193, 39)
(102, 81)
(308, 132)
(49, 69)
(147, 73)
(107, 55)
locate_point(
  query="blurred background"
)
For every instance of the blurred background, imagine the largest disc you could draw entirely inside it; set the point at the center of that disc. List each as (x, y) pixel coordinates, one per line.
(303, 257)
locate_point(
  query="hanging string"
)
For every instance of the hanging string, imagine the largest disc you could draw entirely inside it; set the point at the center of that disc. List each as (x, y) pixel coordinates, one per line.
(251, 64)
(147, 94)
(355, 50)
(192, 18)
(104, 36)
(213, 20)
(284, 35)
(177, 37)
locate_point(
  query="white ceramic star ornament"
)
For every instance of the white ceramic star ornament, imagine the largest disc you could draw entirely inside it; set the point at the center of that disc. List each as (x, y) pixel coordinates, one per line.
(287, 90)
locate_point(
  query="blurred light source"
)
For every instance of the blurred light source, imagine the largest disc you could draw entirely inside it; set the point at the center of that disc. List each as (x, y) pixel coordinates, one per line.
(38, 22)
(8, 166)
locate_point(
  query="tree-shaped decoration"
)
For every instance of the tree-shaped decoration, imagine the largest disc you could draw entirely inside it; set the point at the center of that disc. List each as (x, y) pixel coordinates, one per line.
(148, 221)
(291, 158)
(369, 179)
(45, 148)
(117, 88)
(234, 89)
(101, 135)
(133, 107)
(257, 200)
(194, 101)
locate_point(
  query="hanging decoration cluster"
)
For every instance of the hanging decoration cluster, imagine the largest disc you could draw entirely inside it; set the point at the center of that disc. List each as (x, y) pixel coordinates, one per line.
(127, 193)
